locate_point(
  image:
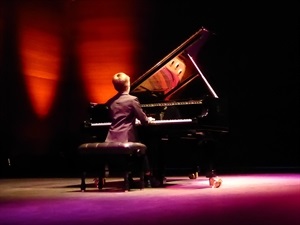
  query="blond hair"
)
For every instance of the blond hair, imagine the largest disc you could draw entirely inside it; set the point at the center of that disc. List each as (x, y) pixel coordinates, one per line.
(121, 81)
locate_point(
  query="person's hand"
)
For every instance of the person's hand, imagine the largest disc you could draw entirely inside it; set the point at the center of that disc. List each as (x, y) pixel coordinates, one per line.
(150, 119)
(137, 121)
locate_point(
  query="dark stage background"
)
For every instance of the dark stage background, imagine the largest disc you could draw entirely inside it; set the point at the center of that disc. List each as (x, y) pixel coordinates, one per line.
(256, 68)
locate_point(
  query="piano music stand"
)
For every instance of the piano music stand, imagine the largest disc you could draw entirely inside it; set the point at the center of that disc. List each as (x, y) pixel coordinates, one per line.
(104, 149)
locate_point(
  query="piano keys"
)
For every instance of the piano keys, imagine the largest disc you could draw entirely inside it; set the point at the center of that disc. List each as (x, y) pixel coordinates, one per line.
(155, 122)
(176, 92)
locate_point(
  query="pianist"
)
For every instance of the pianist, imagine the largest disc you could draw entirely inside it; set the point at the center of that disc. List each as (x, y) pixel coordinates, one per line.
(124, 111)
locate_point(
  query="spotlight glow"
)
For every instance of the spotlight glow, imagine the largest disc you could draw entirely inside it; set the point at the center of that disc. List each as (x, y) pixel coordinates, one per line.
(105, 46)
(40, 55)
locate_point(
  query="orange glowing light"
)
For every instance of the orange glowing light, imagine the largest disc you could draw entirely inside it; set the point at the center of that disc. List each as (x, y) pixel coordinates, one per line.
(105, 46)
(40, 54)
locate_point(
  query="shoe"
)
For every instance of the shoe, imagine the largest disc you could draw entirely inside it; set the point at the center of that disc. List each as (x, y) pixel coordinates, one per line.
(147, 181)
(158, 182)
(96, 181)
(99, 182)
(148, 184)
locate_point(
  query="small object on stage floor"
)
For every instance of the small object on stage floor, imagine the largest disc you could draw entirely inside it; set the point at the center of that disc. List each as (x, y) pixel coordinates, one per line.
(215, 182)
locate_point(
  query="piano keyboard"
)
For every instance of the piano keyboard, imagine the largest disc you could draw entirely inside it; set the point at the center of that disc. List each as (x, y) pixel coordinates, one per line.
(173, 121)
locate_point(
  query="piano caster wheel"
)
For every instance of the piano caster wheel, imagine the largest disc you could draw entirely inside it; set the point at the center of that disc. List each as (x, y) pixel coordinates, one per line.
(193, 175)
(215, 182)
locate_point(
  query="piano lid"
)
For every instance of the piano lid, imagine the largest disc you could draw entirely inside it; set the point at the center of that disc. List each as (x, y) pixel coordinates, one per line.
(180, 69)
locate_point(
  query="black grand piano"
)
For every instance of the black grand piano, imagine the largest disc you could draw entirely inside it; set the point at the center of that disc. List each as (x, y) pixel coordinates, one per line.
(190, 117)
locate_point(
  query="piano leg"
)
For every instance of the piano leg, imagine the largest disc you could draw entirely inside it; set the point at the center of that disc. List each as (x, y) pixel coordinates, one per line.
(83, 184)
(203, 159)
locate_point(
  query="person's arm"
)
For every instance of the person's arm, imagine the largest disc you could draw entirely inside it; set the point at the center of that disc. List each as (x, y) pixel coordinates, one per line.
(140, 114)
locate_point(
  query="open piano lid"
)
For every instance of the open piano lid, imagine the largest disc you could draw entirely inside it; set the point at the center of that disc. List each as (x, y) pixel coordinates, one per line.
(178, 75)
(176, 89)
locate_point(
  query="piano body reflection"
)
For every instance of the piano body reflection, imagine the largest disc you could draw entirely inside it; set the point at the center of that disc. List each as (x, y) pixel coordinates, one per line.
(187, 110)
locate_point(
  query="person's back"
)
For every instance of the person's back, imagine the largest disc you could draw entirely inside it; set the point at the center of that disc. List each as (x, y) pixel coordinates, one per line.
(124, 109)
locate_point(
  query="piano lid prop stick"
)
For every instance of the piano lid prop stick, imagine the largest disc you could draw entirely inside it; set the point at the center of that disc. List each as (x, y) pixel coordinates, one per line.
(208, 85)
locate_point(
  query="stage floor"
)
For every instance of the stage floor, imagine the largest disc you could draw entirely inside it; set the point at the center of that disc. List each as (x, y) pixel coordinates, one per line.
(270, 198)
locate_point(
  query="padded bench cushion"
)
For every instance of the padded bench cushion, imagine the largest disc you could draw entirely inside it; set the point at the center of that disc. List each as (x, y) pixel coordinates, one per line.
(112, 148)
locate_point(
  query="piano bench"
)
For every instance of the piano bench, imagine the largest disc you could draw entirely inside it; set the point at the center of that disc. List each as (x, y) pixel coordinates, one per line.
(105, 150)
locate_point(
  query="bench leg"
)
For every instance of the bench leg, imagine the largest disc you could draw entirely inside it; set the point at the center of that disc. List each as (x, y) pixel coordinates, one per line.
(126, 181)
(83, 184)
(142, 180)
(102, 174)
